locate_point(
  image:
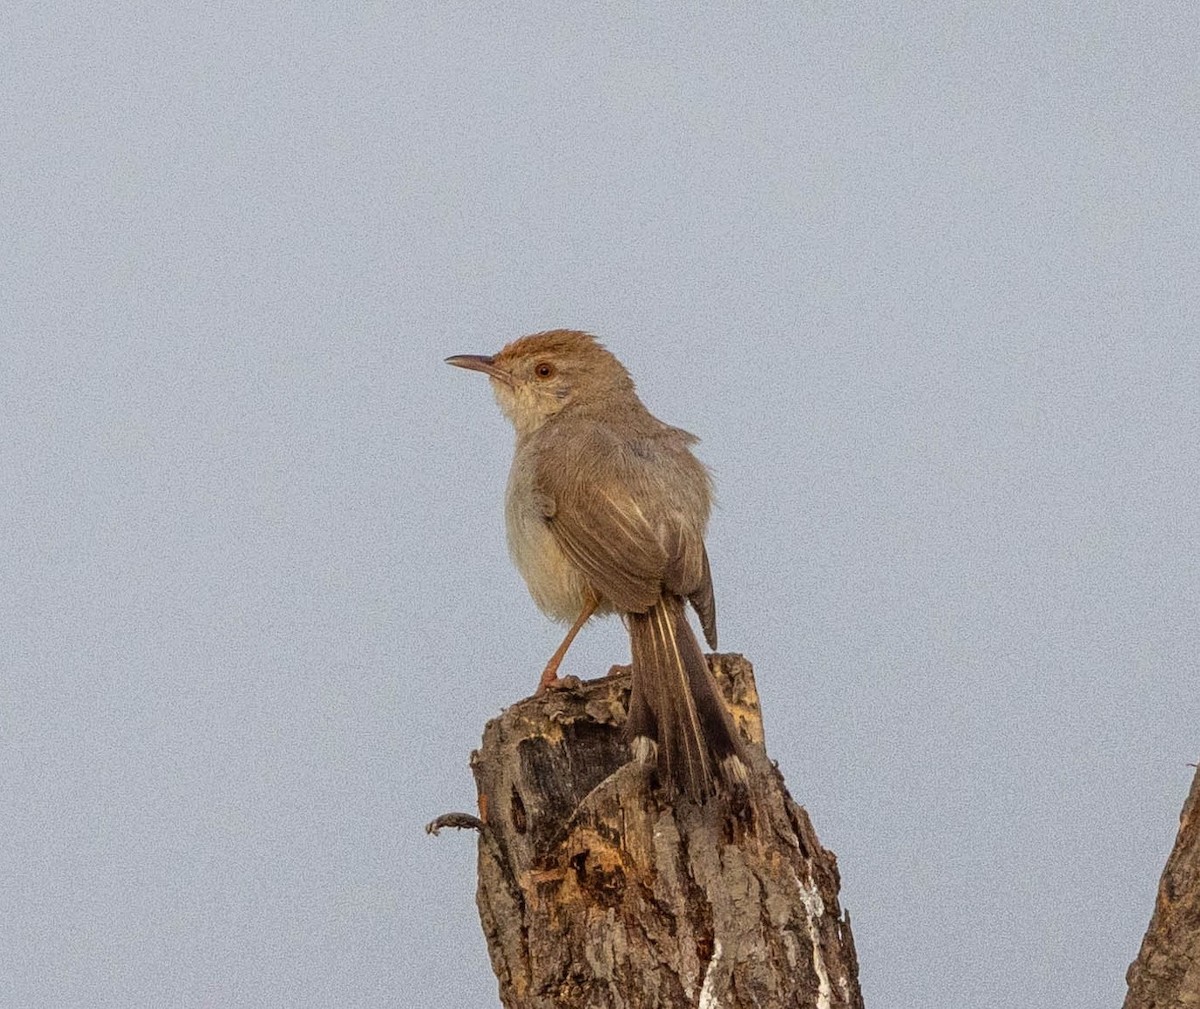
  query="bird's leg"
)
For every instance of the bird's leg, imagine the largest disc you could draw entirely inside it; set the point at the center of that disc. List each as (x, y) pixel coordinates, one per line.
(550, 673)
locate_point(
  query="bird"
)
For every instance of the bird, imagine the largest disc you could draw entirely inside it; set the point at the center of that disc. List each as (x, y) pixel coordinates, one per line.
(606, 510)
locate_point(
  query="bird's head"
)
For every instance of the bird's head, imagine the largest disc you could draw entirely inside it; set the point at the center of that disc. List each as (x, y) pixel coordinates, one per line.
(538, 376)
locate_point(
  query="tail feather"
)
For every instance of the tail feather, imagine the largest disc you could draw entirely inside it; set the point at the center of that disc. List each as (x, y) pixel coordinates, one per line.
(676, 703)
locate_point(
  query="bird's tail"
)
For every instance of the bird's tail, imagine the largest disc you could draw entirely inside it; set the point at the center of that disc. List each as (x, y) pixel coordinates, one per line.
(676, 707)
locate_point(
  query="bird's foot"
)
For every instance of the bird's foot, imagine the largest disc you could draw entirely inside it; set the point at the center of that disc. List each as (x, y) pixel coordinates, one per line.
(549, 678)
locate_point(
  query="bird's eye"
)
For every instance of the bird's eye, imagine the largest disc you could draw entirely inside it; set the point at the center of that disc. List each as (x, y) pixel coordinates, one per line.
(544, 369)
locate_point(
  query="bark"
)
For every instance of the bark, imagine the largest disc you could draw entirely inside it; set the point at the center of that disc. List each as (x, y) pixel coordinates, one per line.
(1166, 974)
(595, 893)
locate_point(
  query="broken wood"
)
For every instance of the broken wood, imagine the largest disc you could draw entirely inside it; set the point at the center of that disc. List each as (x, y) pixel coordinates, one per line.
(1166, 974)
(595, 893)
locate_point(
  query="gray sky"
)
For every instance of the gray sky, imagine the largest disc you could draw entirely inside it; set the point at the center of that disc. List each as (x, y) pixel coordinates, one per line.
(923, 279)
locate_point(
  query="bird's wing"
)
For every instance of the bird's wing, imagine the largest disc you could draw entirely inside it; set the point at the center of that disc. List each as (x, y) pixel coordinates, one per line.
(606, 508)
(704, 602)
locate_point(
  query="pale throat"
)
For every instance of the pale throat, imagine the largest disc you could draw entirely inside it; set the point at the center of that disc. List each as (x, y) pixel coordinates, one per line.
(525, 408)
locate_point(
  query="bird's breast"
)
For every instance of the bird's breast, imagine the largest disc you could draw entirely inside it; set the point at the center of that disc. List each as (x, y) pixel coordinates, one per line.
(553, 581)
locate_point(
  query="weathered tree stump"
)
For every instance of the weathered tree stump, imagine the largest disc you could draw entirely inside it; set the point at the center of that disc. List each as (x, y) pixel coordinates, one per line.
(595, 893)
(1166, 974)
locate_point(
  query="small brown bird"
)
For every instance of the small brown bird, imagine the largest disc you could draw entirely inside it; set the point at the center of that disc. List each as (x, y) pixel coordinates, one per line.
(606, 511)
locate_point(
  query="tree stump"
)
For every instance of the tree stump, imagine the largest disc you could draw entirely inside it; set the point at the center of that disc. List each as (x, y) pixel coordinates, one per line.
(1166, 974)
(594, 893)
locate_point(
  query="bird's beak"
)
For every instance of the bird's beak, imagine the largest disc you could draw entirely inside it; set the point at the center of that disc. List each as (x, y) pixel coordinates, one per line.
(478, 362)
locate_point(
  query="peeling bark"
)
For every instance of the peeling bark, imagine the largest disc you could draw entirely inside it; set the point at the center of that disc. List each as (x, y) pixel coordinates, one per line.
(1166, 974)
(594, 893)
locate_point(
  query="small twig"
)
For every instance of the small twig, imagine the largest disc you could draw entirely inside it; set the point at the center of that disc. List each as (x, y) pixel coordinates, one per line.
(459, 821)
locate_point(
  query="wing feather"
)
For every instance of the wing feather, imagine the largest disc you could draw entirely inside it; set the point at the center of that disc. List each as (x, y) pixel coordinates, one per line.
(612, 520)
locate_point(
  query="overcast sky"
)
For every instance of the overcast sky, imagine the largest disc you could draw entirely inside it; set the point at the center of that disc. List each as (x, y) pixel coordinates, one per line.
(922, 277)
